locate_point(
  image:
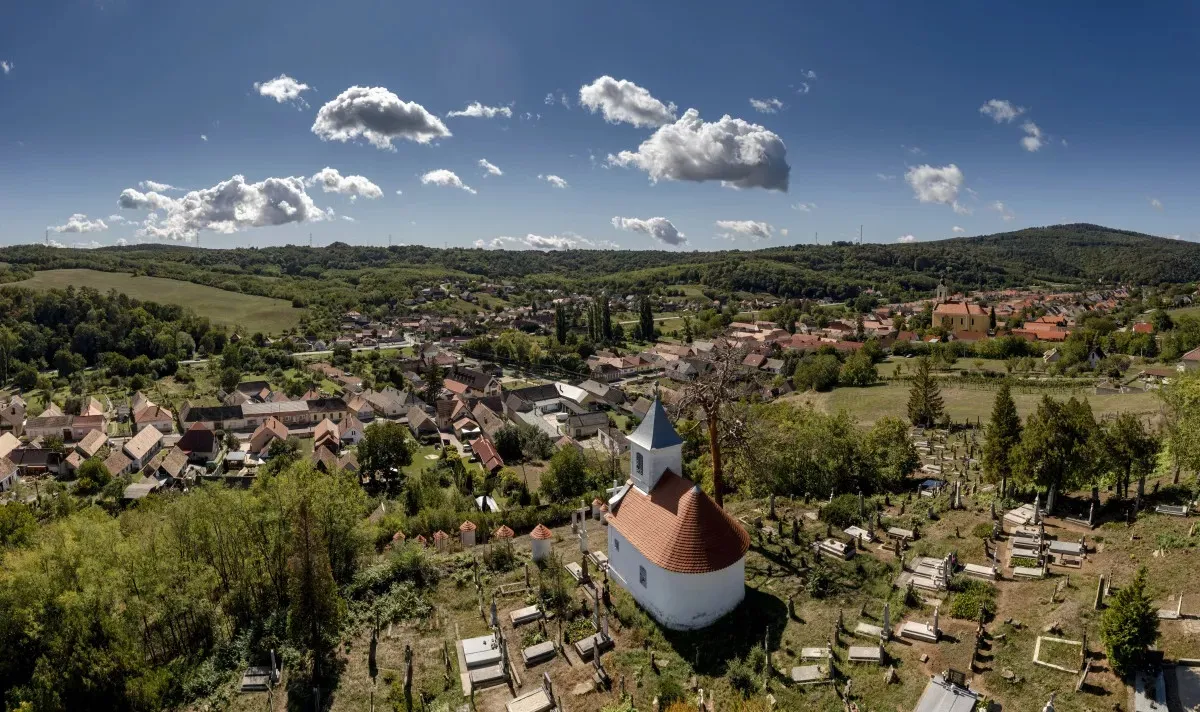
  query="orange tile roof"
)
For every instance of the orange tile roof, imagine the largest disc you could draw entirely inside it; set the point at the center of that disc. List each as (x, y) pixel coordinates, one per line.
(504, 532)
(439, 535)
(958, 309)
(541, 532)
(679, 527)
(467, 526)
(398, 536)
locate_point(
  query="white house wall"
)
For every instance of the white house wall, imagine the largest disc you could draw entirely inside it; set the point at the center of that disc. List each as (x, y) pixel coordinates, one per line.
(677, 601)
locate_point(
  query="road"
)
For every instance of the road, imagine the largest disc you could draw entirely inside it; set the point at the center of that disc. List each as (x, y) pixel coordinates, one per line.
(328, 352)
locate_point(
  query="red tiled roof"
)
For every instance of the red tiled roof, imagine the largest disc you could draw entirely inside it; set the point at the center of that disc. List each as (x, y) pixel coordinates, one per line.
(421, 539)
(1143, 327)
(440, 535)
(679, 527)
(467, 526)
(398, 536)
(958, 309)
(541, 532)
(504, 532)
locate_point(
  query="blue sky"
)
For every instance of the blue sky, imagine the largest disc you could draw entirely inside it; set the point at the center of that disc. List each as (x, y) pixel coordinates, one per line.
(97, 97)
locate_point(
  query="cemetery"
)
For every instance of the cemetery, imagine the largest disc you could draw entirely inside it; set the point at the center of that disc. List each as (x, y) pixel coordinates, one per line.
(965, 596)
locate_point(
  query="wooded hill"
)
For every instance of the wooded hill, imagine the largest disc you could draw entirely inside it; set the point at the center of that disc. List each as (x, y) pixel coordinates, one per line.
(342, 274)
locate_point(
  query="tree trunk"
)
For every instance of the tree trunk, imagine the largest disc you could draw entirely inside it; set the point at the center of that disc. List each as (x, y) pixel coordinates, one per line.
(714, 445)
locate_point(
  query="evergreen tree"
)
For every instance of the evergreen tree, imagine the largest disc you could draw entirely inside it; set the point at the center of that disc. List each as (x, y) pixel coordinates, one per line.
(925, 407)
(1129, 626)
(992, 318)
(314, 595)
(1130, 450)
(645, 320)
(1060, 446)
(560, 324)
(606, 328)
(1002, 436)
(687, 330)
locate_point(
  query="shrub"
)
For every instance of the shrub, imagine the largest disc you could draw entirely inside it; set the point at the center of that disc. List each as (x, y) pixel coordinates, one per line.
(970, 596)
(669, 691)
(820, 582)
(842, 511)
(741, 676)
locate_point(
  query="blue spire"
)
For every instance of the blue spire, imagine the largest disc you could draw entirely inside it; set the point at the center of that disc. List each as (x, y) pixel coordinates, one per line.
(656, 431)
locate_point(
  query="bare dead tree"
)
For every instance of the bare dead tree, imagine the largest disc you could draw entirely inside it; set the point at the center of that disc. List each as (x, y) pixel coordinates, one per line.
(716, 392)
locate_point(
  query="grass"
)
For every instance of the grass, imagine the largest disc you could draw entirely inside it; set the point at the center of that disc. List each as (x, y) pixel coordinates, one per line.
(251, 312)
(874, 402)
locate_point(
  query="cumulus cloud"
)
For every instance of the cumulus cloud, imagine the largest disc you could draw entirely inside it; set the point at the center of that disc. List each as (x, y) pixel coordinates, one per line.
(783, 231)
(489, 168)
(6, 66)
(566, 241)
(766, 106)
(283, 89)
(203, 137)
(1156, 204)
(622, 101)
(808, 74)
(347, 218)
(957, 229)
(906, 238)
(115, 218)
(331, 181)
(227, 207)
(1001, 110)
(802, 88)
(1033, 139)
(399, 192)
(737, 153)
(80, 223)
(660, 229)
(553, 180)
(377, 115)
(156, 186)
(753, 229)
(804, 207)
(475, 110)
(121, 242)
(446, 179)
(1006, 213)
(937, 185)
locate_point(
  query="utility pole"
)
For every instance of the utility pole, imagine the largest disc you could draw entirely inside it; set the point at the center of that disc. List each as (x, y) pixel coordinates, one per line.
(815, 240)
(310, 239)
(860, 233)
(47, 237)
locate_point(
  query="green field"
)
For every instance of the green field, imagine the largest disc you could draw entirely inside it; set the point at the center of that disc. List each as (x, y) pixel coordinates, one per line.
(252, 313)
(874, 402)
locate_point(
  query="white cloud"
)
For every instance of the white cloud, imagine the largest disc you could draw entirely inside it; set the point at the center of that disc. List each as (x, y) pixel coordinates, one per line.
(737, 153)
(804, 207)
(489, 168)
(783, 231)
(1001, 110)
(347, 218)
(475, 110)
(766, 106)
(937, 185)
(885, 177)
(203, 137)
(399, 192)
(446, 179)
(283, 89)
(566, 241)
(906, 238)
(1006, 213)
(660, 229)
(1156, 204)
(1033, 141)
(115, 218)
(957, 229)
(548, 101)
(808, 74)
(620, 100)
(553, 180)
(80, 223)
(121, 242)
(802, 88)
(753, 229)
(331, 181)
(6, 66)
(227, 207)
(377, 115)
(156, 186)
(914, 150)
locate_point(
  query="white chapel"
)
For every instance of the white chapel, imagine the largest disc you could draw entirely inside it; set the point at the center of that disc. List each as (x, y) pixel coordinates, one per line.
(677, 553)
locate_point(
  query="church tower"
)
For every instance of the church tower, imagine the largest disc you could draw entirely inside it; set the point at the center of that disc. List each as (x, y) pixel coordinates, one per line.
(654, 448)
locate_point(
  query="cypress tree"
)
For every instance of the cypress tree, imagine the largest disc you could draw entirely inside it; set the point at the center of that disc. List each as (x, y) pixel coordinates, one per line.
(1001, 437)
(925, 407)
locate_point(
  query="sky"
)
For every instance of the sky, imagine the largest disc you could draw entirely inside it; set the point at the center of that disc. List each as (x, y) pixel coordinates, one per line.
(552, 125)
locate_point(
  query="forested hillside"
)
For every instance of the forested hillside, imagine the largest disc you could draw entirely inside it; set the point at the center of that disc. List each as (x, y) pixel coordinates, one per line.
(346, 275)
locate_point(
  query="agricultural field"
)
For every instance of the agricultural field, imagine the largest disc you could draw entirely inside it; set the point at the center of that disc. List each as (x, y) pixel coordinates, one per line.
(252, 313)
(874, 402)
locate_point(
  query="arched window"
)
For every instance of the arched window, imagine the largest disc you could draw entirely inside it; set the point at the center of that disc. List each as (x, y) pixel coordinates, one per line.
(638, 462)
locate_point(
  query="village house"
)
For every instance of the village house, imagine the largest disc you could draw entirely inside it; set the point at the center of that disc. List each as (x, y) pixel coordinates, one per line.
(12, 416)
(422, 426)
(270, 430)
(485, 452)
(199, 443)
(49, 426)
(218, 417)
(351, 430)
(961, 316)
(155, 416)
(8, 474)
(141, 447)
(679, 555)
(117, 463)
(583, 425)
(8, 443)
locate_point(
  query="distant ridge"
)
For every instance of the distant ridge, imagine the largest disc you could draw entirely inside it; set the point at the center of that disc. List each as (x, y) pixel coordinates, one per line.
(1075, 254)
